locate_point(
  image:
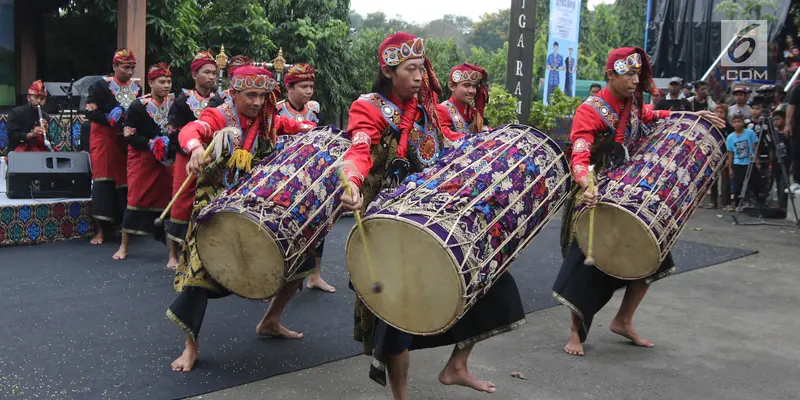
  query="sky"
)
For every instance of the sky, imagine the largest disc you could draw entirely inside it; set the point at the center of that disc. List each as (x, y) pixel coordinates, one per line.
(422, 11)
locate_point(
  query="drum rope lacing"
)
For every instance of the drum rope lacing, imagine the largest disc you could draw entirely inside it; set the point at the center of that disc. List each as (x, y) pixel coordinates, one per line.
(293, 257)
(436, 216)
(666, 241)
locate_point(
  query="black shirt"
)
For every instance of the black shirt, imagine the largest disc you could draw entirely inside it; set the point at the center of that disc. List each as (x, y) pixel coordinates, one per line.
(673, 105)
(795, 101)
(21, 121)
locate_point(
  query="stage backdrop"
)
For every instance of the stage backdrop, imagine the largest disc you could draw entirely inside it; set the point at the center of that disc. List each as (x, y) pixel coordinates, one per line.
(562, 47)
(684, 36)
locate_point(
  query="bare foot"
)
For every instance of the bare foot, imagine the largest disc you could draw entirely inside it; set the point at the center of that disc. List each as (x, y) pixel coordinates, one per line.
(574, 346)
(276, 330)
(98, 239)
(121, 254)
(185, 362)
(462, 377)
(316, 282)
(626, 331)
(172, 263)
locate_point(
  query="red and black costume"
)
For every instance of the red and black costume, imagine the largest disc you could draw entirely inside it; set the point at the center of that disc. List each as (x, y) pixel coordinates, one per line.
(390, 139)
(602, 126)
(460, 117)
(146, 130)
(225, 96)
(106, 104)
(23, 119)
(301, 112)
(256, 141)
(187, 108)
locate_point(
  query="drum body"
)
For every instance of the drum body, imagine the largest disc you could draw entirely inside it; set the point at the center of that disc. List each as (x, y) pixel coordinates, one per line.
(443, 237)
(644, 204)
(258, 233)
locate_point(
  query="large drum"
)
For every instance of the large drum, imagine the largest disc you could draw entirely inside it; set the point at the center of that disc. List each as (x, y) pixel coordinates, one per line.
(645, 204)
(443, 237)
(257, 234)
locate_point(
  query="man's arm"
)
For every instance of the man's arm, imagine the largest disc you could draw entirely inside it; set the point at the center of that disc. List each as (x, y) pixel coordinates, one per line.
(364, 126)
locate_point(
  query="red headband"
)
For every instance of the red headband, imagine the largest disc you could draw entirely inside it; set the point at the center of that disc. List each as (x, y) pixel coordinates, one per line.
(37, 89)
(300, 73)
(200, 59)
(400, 47)
(158, 70)
(124, 56)
(238, 61)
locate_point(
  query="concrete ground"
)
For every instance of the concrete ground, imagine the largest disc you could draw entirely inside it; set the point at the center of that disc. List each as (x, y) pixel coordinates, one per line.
(724, 332)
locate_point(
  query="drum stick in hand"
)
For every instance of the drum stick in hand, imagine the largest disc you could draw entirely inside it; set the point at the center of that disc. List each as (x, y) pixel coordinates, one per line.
(376, 286)
(159, 222)
(590, 253)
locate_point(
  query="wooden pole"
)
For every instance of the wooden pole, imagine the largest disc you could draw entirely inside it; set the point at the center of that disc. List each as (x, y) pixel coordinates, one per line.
(131, 30)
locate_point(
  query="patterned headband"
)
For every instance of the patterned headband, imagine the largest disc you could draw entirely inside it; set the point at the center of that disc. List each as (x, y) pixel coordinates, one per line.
(467, 76)
(393, 55)
(633, 62)
(246, 82)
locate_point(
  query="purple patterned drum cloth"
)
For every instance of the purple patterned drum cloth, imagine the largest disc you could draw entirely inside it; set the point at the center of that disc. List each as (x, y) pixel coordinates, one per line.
(645, 204)
(256, 235)
(445, 235)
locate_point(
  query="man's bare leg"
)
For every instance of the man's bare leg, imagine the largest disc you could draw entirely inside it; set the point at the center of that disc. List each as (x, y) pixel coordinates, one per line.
(397, 366)
(574, 346)
(185, 362)
(98, 238)
(623, 323)
(122, 253)
(270, 325)
(173, 255)
(456, 372)
(315, 280)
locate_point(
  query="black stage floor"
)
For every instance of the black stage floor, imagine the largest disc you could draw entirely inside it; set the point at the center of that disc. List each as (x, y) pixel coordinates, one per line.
(77, 325)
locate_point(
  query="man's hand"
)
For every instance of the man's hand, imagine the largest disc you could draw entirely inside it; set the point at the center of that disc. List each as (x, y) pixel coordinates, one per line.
(354, 200)
(589, 197)
(197, 161)
(38, 130)
(717, 121)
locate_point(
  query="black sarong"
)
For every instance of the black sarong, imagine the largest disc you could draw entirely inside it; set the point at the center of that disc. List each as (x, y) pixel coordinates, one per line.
(498, 311)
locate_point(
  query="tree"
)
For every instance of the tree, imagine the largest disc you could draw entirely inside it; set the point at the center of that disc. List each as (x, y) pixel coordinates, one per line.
(444, 55)
(491, 31)
(748, 9)
(356, 20)
(316, 32)
(493, 62)
(634, 14)
(452, 27)
(363, 53)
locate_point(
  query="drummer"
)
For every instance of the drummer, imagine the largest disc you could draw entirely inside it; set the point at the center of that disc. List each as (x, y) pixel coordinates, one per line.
(464, 111)
(225, 96)
(403, 93)
(300, 81)
(599, 129)
(252, 111)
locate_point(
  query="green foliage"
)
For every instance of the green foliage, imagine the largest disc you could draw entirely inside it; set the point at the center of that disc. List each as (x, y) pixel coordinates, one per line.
(173, 26)
(444, 55)
(502, 106)
(491, 31)
(242, 26)
(560, 105)
(746, 9)
(363, 53)
(493, 62)
(316, 32)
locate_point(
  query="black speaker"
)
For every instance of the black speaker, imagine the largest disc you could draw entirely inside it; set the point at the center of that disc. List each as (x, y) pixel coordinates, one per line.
(34, 175)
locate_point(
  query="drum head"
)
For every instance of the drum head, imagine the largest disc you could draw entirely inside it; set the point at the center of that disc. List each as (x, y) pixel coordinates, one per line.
(422, 288)
(623, 246)
(241, 256)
